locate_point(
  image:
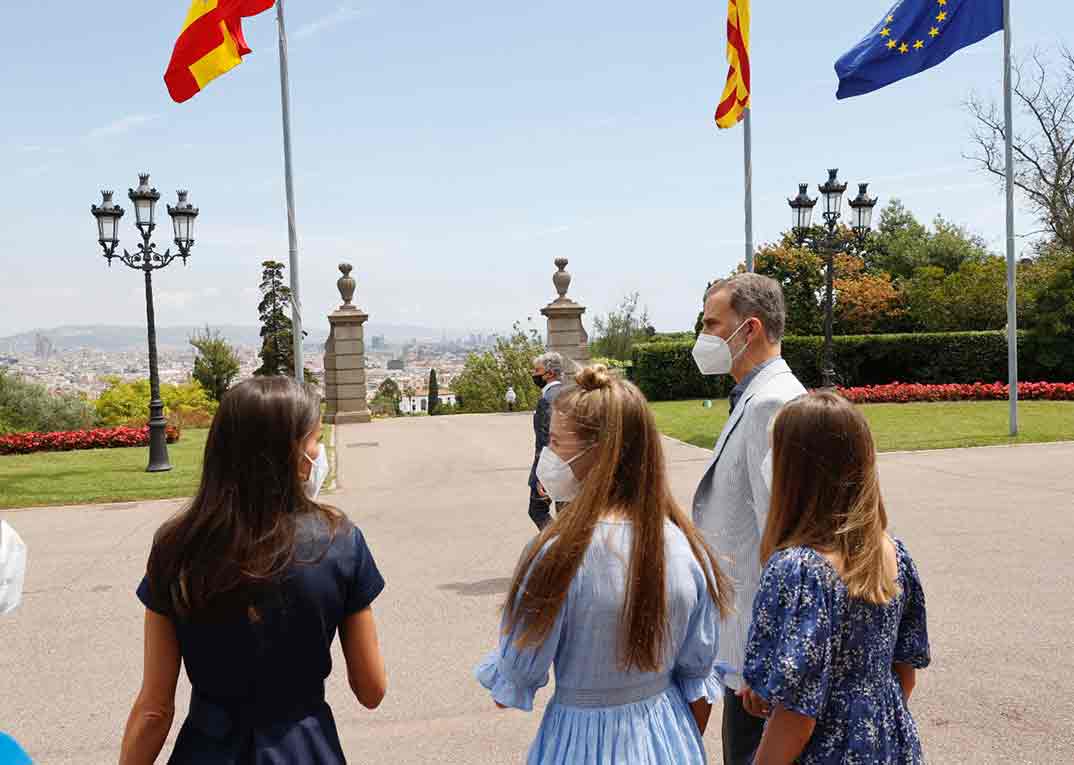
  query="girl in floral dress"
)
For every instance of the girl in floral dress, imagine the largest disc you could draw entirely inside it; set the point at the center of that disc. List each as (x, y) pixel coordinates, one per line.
(838, 627)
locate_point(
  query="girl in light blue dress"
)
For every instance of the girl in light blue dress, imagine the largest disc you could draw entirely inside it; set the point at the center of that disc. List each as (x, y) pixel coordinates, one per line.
(620, 594)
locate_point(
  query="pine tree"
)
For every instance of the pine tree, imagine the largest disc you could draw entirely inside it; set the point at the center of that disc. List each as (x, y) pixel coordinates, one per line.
(216, 364)
(434, 393)
(277, 333)
(277, 338)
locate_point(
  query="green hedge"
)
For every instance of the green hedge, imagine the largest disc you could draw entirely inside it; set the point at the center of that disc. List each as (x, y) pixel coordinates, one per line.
(665, 371)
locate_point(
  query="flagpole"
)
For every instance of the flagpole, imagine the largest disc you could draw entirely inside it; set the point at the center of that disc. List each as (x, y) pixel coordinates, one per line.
(1012, 266)
(292, 235)
(747, 145)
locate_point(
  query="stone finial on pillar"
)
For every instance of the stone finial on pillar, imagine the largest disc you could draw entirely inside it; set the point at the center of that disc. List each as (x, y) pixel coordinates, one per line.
(561, 278)
(344, 358)
(346, 285)
(566, 334)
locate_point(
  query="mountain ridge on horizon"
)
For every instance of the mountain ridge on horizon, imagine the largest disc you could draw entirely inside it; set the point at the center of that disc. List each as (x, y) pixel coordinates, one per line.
(115, 337)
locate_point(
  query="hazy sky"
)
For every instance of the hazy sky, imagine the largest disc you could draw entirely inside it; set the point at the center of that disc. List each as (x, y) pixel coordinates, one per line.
(450, 151)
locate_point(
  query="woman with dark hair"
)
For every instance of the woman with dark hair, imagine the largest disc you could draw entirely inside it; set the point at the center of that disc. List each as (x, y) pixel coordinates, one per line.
(247, 587)
(839, 626)
(620, 592)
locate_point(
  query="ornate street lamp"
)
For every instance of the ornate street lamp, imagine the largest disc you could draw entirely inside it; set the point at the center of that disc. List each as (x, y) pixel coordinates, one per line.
(148, 260)
(825, 240)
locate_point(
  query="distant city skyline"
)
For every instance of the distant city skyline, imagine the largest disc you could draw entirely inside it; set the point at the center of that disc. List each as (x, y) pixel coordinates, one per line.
(451, 154)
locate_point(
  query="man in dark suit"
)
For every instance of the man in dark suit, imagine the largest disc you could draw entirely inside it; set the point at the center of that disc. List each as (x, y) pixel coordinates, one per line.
(548, 376)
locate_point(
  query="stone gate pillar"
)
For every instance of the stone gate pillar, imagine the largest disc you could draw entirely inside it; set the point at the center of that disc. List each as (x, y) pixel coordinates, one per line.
(344, 358)
(565, 331)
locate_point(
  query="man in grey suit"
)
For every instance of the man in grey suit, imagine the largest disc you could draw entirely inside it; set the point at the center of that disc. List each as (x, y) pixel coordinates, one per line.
(743, 330)
(548, 376)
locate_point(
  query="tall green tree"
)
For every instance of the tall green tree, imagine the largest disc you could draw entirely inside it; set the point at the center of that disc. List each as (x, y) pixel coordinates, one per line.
(216, 366)
(481, 385)
(617, 331)
(434, 393)
(1053, 316)
(901, 244)
(388, 397)
(277, 332)
(277, 337)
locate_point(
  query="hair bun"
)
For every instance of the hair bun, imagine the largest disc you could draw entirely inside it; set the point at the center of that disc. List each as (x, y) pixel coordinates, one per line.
(595, 377)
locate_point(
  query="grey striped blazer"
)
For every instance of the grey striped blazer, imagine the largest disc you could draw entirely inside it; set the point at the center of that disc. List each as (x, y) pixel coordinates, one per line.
(731, 503)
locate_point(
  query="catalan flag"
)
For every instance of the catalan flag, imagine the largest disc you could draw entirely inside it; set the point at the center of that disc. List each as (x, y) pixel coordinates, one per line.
(736, 93)
(210, 44)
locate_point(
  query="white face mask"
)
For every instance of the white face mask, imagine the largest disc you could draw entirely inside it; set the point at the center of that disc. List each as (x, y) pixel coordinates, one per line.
(12, 568)
(712, 354)
(318, 472)
(556, 476)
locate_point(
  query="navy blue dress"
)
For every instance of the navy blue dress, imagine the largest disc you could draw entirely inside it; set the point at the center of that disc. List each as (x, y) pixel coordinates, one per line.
(258, 680)
(822, 654)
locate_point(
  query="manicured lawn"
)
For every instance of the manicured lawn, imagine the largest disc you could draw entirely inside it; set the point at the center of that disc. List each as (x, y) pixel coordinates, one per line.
(107, 475)
(902, 427)
(99, 475)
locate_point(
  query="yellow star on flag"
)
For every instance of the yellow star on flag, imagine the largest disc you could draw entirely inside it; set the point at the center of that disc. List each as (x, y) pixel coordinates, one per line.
(919, 45)
(942, 2)
(885, 32)
(904, 48)
(941, 16)
(891, 19)
(934, 32)
(891, 43)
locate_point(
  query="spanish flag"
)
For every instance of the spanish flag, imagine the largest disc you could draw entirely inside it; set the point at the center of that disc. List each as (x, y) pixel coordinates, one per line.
(736, 93)
(210, 44)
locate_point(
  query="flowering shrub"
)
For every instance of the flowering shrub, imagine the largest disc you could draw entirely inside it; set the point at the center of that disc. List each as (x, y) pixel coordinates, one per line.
(99, 438)
(901, 393)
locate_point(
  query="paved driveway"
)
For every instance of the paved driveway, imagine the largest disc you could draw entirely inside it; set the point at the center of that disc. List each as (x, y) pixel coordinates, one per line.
(443, 503)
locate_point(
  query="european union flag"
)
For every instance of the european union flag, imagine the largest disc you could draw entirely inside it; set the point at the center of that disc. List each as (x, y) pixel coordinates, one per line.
(915, 35)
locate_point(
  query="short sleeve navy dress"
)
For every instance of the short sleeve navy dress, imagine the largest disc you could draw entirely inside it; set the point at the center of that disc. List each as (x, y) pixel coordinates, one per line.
(258, 678)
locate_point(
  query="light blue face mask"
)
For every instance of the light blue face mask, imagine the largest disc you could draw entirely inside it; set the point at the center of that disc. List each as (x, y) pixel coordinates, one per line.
(318, 472)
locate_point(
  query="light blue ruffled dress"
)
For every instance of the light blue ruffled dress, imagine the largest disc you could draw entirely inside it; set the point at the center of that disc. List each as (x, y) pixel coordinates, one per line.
(599, 713)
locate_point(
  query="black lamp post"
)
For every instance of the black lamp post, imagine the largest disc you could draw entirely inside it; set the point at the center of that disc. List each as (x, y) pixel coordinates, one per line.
(825, 240)
(148, 260)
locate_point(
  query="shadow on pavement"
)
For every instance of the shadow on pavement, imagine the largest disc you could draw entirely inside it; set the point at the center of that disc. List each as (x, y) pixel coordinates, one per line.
(483, 587)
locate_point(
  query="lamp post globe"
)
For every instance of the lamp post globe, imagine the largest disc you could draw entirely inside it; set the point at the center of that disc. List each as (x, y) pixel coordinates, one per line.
(802, 209)
(145, 201)
(183, 215)
(107, 215)
(832, 190)
(862, 207)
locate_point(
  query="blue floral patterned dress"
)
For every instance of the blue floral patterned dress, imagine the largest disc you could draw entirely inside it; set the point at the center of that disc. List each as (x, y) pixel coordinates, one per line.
(822, 654)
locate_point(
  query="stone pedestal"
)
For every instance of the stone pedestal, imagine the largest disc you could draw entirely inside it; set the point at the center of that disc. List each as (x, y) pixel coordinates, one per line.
(566, 335)
(344, 358)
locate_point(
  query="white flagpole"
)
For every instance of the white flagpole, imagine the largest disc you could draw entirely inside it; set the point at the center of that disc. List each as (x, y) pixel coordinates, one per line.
(747, 141)
(1012, 266)
(292, 235)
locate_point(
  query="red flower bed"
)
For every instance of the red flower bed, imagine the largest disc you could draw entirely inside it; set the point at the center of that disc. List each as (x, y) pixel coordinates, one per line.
(901, 393)
(99, 438)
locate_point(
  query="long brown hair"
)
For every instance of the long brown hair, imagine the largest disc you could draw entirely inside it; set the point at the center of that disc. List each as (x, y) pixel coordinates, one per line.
(238, 533)
(628, 476)
(826, 492)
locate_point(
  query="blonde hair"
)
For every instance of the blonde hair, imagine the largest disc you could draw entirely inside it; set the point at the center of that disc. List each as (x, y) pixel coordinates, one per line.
(826, 492)
(628, 475)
